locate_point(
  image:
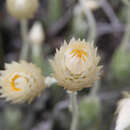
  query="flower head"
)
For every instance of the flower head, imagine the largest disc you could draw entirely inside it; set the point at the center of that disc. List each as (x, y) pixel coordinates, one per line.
(22, 9)
(76, 65)
(21, 82)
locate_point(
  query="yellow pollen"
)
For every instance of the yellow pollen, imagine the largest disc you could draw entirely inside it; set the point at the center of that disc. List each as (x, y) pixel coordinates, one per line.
(80, 53)
(13, 83)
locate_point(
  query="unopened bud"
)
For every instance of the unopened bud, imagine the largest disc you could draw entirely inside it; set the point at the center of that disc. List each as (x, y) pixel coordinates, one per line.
(36, 35)
(91, 4)
(22, 9)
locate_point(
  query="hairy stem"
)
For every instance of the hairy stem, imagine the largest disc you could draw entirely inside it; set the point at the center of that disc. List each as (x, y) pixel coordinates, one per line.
(74, 110)
(24, 34)
(95, 88)
(37, 55)
(91, 22)
(126, 38)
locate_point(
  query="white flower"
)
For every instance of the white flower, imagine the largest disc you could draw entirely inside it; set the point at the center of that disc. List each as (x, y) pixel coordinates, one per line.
(21, 82)
(76, 65)
(123, 118)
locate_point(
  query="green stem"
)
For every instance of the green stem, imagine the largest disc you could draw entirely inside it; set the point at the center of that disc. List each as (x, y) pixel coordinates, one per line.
(125, 40)
(37, 55)
(92, 25)
(95, 88)
(36, 50)
(91, 22)
(74, 110)
(55, 10)
(24, 33)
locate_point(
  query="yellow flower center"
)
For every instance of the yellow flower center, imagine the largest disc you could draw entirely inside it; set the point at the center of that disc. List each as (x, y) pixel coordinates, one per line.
(79, 53)
(13, 85)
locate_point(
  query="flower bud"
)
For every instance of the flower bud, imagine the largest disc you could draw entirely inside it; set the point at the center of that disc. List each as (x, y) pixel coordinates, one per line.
(76, 65)
(36, 35)
(123, 110)
(22, 9)
(21, 82)
(91, 4)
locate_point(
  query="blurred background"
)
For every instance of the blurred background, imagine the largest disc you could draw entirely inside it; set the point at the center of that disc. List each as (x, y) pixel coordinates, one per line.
(106, 22)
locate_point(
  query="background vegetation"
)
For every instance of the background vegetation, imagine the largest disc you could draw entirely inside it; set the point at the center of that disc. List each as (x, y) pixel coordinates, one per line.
(61, 20)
